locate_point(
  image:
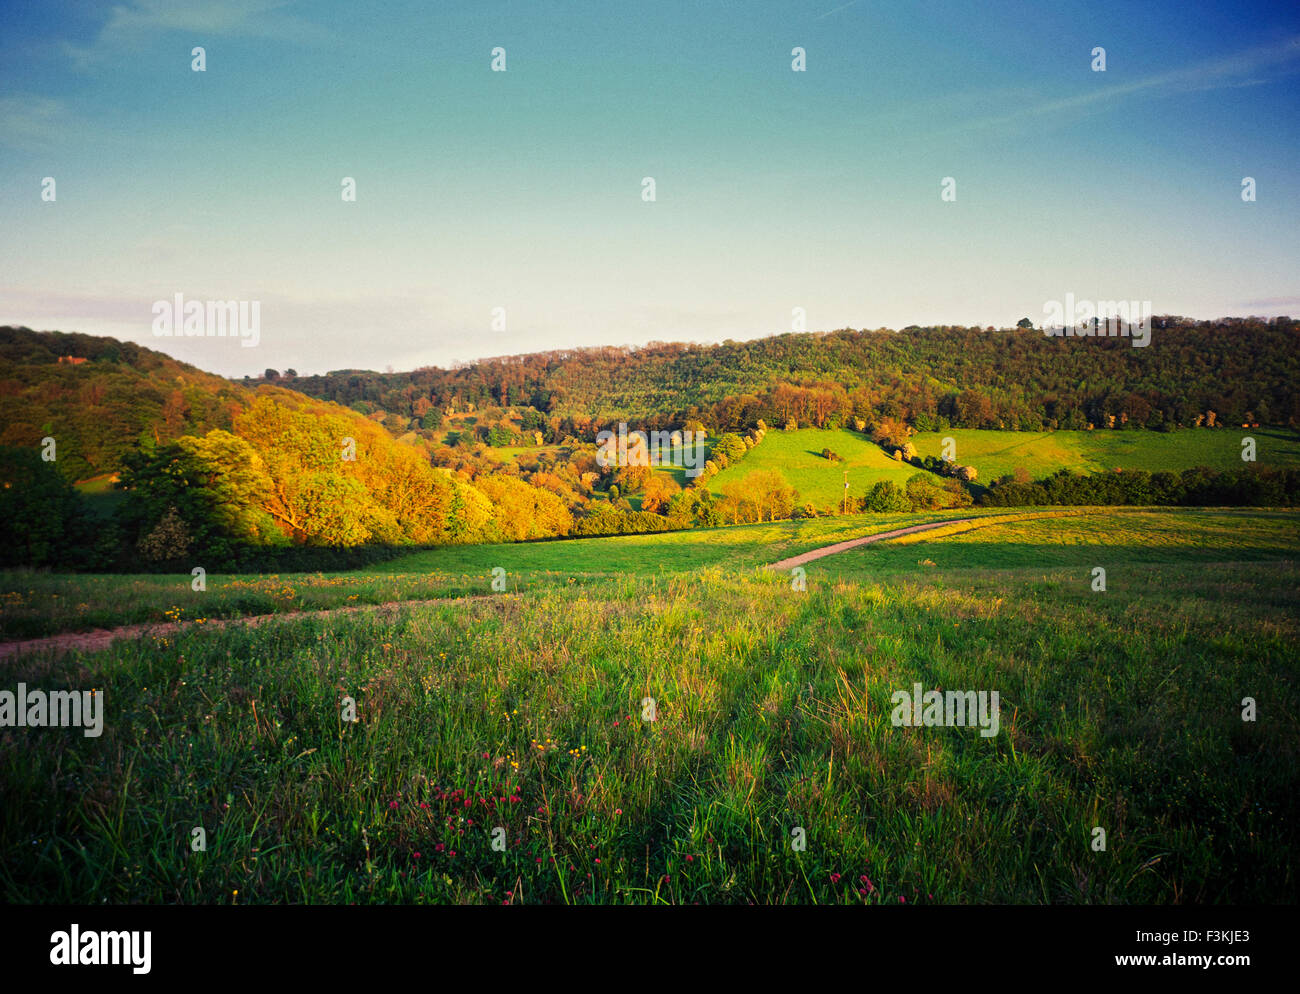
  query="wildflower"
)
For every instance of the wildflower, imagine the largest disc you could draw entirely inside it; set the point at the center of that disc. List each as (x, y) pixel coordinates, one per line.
(835, 878)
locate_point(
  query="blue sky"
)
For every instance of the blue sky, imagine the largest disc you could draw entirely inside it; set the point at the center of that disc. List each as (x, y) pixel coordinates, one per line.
(522, 190)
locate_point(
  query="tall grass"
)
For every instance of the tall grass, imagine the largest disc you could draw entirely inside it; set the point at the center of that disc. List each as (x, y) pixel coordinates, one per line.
(1119, 710)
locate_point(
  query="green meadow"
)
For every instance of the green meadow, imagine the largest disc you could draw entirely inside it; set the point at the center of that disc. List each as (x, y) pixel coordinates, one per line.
(819, 481)
(528, 712)
(35, 603)
(1040, 454)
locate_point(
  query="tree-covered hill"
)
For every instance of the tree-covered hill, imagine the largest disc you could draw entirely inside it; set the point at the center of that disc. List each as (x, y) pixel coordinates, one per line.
(1239, 369)
(99, 398)
(208, 467)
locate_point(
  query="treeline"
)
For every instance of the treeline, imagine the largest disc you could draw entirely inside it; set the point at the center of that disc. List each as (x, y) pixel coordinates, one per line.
(46, 522)
(1251, 486)
(1237, 369)
(50, 525)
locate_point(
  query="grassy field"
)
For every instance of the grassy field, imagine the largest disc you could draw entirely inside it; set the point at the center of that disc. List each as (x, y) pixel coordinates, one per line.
(511, 453)
(798, 454)
(1104, 537)
(1119, 710)
(1040, 454)
(36, 603)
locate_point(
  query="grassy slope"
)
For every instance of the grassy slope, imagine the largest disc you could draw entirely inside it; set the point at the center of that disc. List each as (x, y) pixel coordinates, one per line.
(997, 453)
(819, 481)
(1119, 710)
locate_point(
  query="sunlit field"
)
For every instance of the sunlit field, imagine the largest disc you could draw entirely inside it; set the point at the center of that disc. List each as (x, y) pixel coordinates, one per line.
(1108, 537)
(820, 481)
(999, 453)
(526, 711)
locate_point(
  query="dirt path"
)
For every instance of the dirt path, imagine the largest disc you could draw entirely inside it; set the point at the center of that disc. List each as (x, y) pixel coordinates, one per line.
(102, 638)
(830, 550)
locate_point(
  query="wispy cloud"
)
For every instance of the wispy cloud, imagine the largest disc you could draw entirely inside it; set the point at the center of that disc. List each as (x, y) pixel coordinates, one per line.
(836, 10)
(132, 24)
(32, 123)
(1227, 72)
